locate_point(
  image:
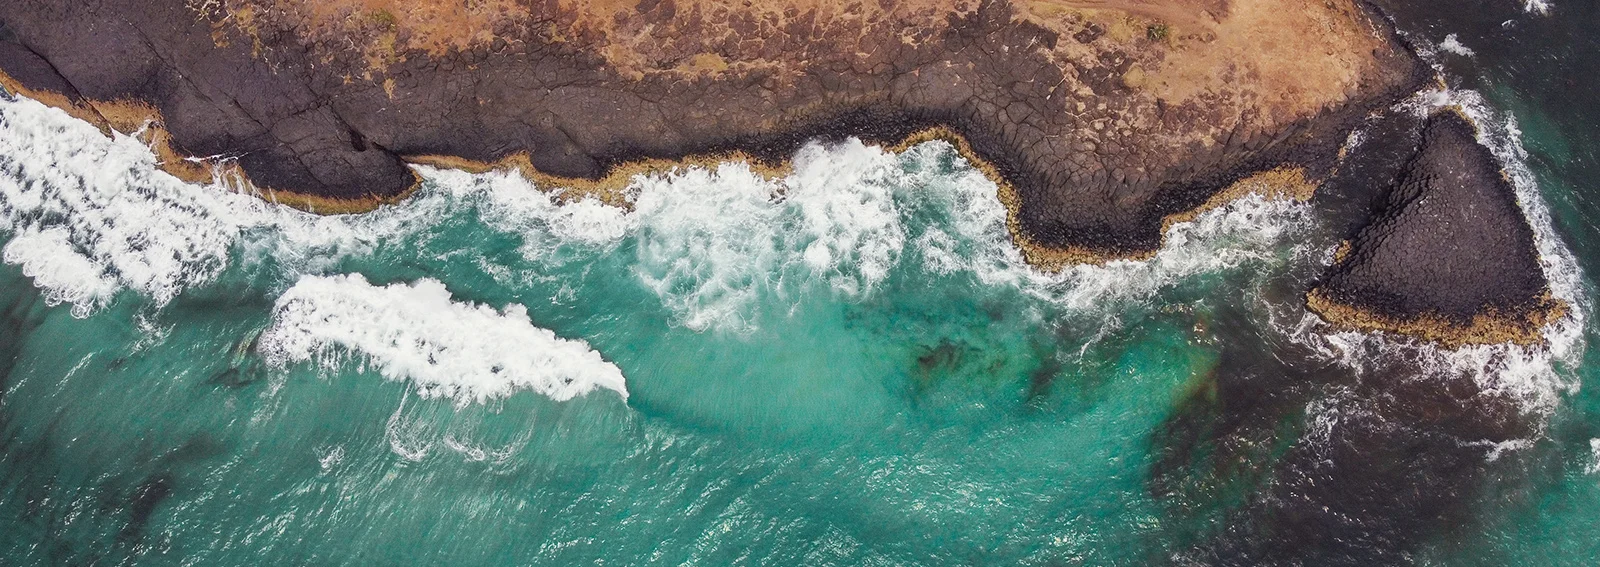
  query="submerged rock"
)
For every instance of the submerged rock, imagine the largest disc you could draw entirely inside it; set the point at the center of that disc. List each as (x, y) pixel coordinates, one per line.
(1449, 256)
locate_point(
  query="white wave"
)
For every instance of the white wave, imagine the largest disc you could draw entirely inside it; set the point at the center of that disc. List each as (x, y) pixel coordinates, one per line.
(1453, 44)
(1538, 375)
(708, 243)
(713, 244)
(1540, 7)
(91, 215)
(105, 213)
(850, 228)
(47, 256)
(1594, 455)
(508, 202)
(466, 351)
(330, 457)
(1249, 230)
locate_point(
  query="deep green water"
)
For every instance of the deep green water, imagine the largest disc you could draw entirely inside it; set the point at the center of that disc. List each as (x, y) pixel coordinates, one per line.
(847, 367)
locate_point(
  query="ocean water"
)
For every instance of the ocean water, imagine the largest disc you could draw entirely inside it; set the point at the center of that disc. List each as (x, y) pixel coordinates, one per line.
(847, 366)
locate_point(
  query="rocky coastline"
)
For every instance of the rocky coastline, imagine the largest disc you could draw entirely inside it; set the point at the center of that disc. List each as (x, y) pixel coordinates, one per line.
(1102, 123)
(1100, 120)
(1448, 256)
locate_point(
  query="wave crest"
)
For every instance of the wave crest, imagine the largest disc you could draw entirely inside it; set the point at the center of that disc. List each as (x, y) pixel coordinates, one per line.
(91, 215)
(416, 332)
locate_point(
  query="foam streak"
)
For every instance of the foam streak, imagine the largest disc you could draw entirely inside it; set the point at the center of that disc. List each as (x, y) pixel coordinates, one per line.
(466, 351)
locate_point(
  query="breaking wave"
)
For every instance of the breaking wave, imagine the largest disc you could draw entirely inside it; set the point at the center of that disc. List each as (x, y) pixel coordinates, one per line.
(91, 215)
(465, 351)
(714, 243)
(974, 238)
(47, 256)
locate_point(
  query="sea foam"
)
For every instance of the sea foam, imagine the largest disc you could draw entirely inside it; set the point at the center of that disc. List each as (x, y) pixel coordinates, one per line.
(461, 350)
(47, 256)
(712, 244)
(1453, 44)
(715, 243)
(1249, 230)
(91, 215)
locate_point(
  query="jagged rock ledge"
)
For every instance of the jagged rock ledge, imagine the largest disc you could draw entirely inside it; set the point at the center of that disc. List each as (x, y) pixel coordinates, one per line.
(1449, 257)
(1102, 122)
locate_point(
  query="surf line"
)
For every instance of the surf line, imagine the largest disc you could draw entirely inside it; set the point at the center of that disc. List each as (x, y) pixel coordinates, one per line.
(145, 122)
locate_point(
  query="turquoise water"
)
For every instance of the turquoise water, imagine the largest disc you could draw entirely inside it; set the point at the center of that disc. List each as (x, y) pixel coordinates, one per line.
(850, 366)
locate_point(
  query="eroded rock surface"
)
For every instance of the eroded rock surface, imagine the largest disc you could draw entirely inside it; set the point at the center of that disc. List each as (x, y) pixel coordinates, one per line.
(1449, 256)
(1099, 118)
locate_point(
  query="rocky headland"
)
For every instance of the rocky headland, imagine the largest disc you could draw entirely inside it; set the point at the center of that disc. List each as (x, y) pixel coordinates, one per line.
(1448, 254)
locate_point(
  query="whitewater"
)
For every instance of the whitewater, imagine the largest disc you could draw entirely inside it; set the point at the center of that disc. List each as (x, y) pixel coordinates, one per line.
(848, 364)
(92, 217)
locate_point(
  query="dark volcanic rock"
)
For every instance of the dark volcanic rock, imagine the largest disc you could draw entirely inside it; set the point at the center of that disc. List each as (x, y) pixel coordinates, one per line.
(1356, 193)
(215, 101)
(1450, 256)
(1096, 134)
(30, 69)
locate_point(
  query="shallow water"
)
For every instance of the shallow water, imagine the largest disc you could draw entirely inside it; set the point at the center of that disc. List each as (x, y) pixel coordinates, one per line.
(848, 366)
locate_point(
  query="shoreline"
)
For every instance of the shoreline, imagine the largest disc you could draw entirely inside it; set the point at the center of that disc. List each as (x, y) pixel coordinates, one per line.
(1287, 181)
(1487, 328)
(1098, 136)
(144, 123)
(1101, 126)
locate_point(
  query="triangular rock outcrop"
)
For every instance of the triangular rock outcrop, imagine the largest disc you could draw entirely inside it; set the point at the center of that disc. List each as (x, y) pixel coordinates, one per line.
(1450, 257)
